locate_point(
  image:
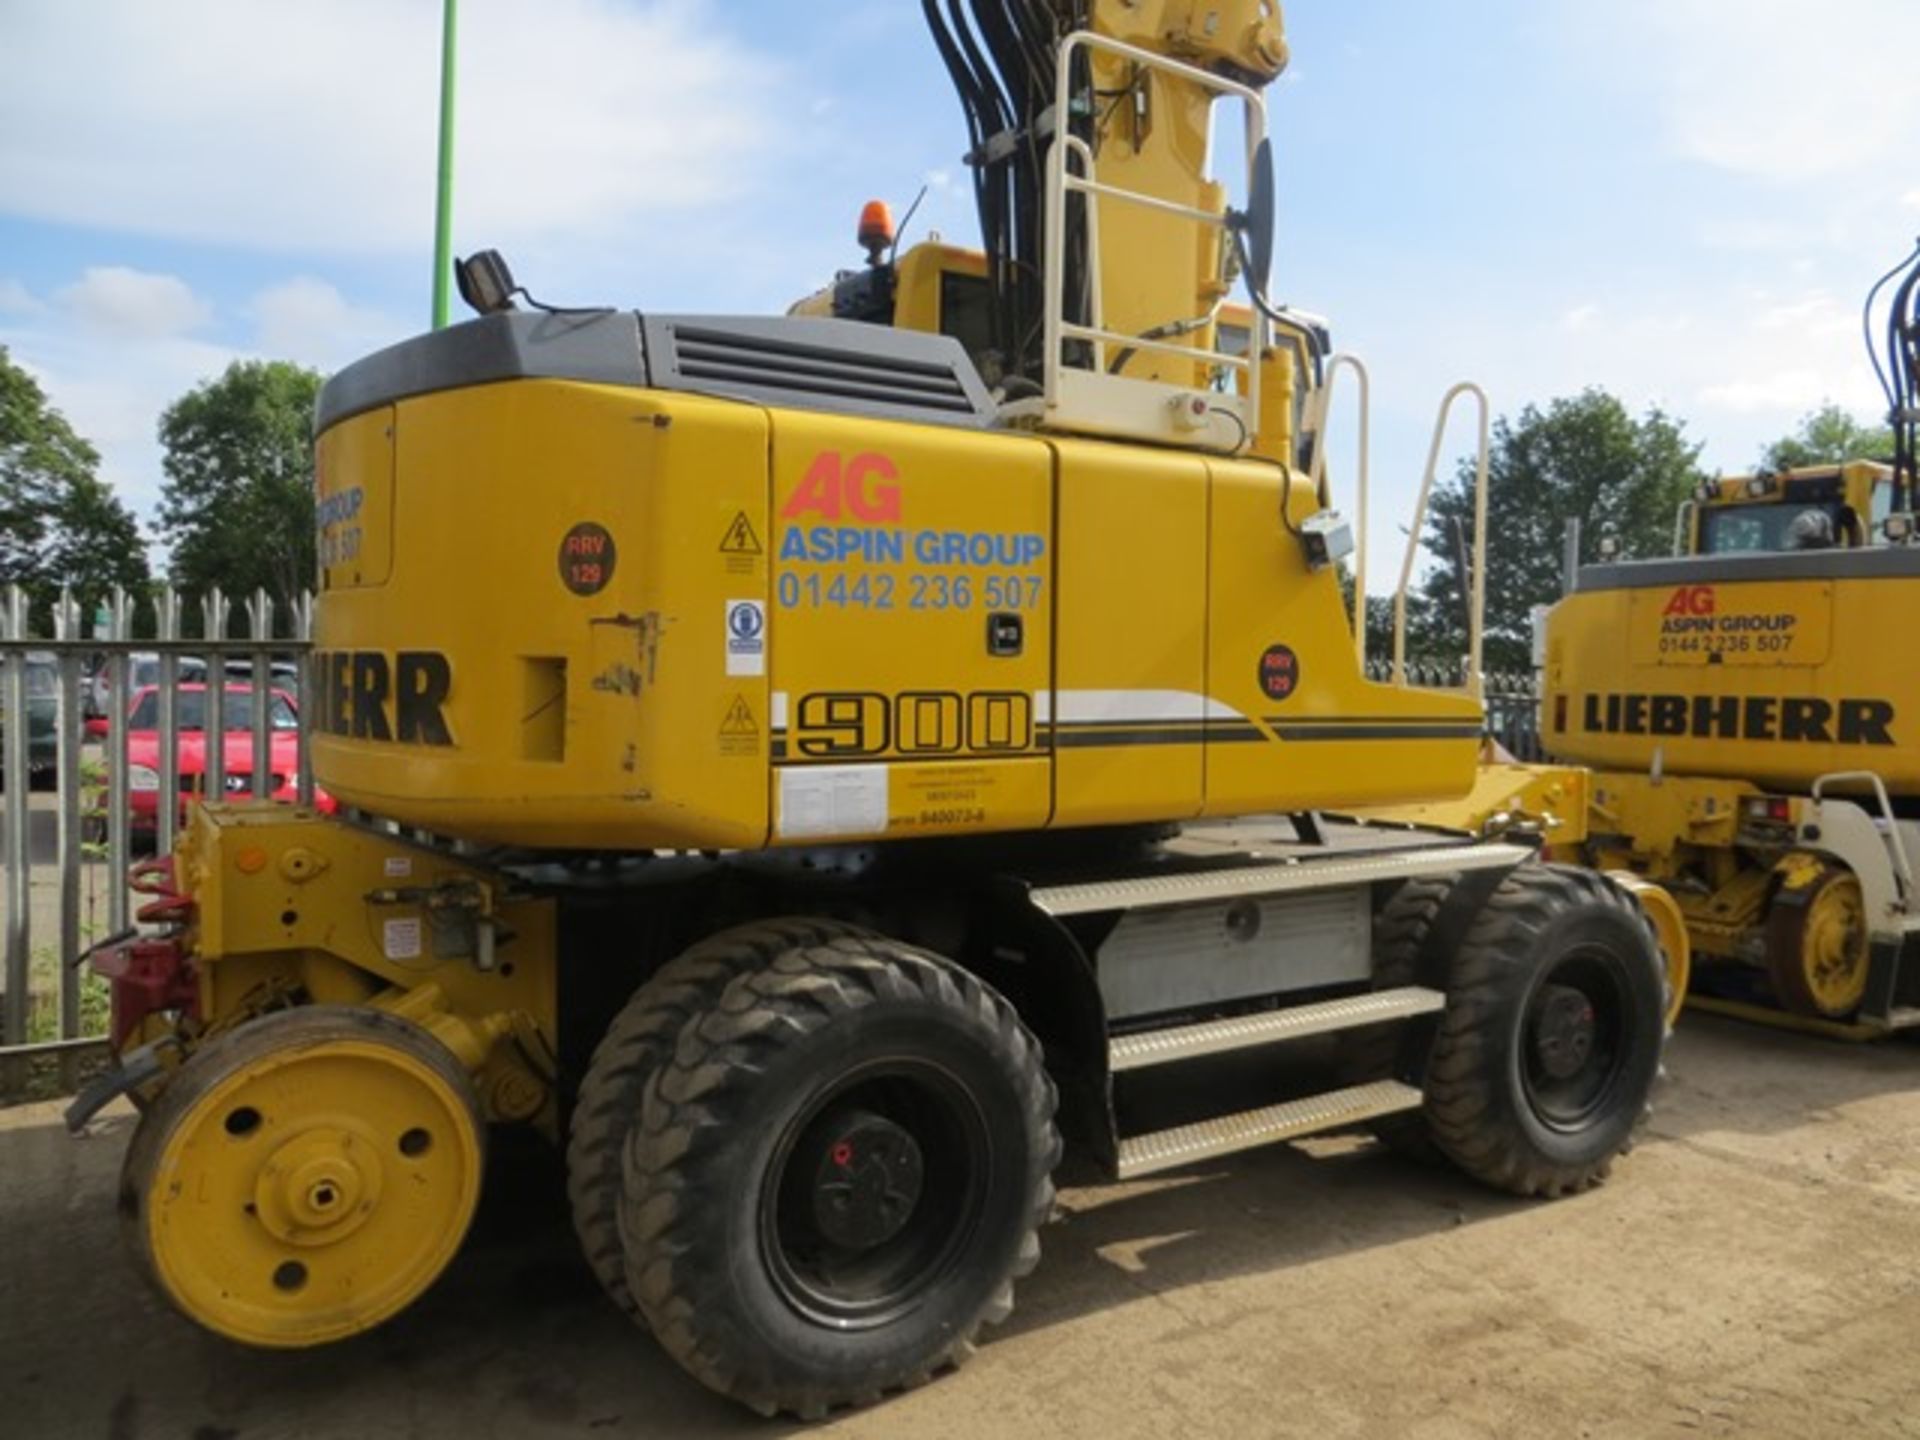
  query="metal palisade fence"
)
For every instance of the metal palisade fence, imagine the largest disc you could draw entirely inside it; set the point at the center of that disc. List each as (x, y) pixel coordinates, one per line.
(104, 739)
(1512, 700)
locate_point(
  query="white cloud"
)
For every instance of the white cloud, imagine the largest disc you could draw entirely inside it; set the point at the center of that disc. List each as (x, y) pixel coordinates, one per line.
(1816, 314)
(1793, 391)
(1581, 317)
(1911, 200)
(1767, 89)
(112, 377)
(113, 390)
(311, 128)
(134, 303)
(308, 320)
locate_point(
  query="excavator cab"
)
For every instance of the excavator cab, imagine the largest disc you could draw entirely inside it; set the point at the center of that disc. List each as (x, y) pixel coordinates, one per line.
(1816, 507)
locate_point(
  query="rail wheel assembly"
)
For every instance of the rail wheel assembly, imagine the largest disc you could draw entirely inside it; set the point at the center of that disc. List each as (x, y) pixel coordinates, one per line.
(305, 1176)
(1817, 944)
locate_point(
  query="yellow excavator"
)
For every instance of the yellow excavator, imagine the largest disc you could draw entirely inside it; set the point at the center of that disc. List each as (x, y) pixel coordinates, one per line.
(1747, 729)
(1750, 730)
(815, 766)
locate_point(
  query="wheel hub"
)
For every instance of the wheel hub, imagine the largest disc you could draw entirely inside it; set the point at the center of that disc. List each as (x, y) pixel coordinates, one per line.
(867, 1182)
(1563, 1032)
(872, 1192)
(318, 1187)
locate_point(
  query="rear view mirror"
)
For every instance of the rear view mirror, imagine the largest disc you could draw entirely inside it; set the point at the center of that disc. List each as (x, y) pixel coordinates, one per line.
(485, 282)
(1259, 218)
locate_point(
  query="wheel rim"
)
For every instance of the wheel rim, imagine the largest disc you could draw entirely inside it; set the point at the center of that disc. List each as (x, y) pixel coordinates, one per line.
(1574, 1045)
(310, 1192)
(1833, 947)
(875, 1187)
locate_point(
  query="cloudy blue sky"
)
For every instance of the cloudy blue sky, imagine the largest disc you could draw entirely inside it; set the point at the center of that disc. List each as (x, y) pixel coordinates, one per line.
(1681, 200)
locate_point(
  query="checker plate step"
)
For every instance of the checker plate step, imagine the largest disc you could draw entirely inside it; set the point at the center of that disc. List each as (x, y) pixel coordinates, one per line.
(1242, 1032)
(1227, 1134)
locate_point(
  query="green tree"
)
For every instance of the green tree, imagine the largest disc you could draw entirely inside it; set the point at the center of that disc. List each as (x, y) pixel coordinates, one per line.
(237, 505)
(59, 522)
(1583, 458)
(1828, 436)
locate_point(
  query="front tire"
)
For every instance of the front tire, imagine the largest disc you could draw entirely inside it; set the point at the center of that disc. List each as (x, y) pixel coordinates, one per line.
(1551, 1039)
(838, 1176)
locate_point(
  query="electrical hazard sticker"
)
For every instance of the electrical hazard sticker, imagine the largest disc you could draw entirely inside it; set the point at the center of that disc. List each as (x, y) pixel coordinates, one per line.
(739, 731)
(741, 546)
(746, 637)
(740, 539)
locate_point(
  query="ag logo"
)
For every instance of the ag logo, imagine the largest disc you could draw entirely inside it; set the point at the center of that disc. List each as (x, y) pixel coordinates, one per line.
(861, 488)
(746, 637)
(1691, 600)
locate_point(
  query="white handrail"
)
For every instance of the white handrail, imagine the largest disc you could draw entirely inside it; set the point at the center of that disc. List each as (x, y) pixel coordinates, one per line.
(1903, 870)
(1477, 605)
(1317, 473)
(1683, 527)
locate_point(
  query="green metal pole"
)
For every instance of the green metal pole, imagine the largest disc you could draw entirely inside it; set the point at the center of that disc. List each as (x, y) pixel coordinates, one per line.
(443, 207)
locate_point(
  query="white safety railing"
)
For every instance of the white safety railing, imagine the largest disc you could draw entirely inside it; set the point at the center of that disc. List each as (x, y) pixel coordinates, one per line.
(1094, 400)
(1320, 407)
(65, 698)
(1889, 828)
(1476, 560)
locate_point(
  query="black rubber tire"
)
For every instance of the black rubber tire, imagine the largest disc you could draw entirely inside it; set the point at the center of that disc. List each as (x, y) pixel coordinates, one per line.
(1478, 1109)
(1399, 932)
(641, 1035)
(768, 1051)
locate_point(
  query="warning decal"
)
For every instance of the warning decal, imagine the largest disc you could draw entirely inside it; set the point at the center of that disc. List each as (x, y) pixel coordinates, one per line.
(740, 539)
(739, 731)
(740, 546)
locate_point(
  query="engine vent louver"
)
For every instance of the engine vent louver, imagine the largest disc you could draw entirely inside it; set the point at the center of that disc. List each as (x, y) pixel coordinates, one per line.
(818, 365)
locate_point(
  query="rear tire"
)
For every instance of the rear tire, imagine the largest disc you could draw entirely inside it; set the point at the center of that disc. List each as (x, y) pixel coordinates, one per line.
(639, 1038)
(1551, 1039)
(839, 1176)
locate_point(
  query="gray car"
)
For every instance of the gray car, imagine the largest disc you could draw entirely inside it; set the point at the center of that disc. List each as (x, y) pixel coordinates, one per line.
(43, 689)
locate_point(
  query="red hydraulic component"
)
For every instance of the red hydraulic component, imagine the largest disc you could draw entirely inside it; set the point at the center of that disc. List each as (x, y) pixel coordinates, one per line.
(150, 973)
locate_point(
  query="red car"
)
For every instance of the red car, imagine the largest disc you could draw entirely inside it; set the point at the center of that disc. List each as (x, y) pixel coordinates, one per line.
(190, 718)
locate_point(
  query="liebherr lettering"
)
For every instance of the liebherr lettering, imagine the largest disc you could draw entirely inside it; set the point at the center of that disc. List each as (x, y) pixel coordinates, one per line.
(365, 695)
(1791, 718)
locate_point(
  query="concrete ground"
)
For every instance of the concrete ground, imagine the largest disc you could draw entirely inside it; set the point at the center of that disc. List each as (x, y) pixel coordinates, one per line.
(1752, 1270)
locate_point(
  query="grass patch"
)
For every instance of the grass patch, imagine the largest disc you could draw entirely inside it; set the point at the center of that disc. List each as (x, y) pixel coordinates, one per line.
(43, 1000)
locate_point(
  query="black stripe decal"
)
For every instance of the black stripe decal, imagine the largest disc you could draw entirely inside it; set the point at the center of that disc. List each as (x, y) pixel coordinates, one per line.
(1214, 732)
(1398, 730)
(1365, 720)
(794, 762)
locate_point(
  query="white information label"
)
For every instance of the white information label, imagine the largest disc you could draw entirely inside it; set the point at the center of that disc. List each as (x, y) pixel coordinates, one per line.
(746, 637)
(399, 867)
(833, 800)
(400, 939)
